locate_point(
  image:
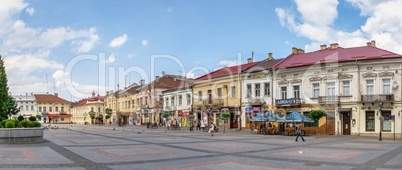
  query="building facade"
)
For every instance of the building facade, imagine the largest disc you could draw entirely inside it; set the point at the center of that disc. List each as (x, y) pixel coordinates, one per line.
(358, 88)
(178, 102)
(27, 105)
(82, 110)
(217, 92)
(53, 108)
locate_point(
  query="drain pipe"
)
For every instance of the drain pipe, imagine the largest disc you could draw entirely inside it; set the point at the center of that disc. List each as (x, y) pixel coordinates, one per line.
(358, 98)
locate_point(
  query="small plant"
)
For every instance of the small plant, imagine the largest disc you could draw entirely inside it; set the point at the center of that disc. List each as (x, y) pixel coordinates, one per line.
(107, 116)
(36, 124)
(10, 124)
(3, 123)
(166, 114)
(30, 124)
(23, 124)
(32, 118)
(20, 118)
(38, 117)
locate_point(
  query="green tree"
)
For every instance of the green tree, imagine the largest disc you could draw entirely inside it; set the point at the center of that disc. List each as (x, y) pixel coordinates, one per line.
(224, 116)
(92, 116)
(317, 115)
(8, 106)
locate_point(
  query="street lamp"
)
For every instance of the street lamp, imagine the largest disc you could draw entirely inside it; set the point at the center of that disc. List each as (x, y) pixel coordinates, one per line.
(381, 118)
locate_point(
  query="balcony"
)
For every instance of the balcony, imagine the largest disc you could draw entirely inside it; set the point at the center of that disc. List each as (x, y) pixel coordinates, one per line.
(377, 97)
(62, 112)
(213, 102)
(290, 102)
(329, 99)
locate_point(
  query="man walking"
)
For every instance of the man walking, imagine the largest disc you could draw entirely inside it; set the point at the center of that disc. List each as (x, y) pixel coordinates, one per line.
(299, 132)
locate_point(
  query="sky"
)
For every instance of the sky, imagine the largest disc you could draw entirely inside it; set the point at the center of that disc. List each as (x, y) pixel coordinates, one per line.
(75, 47)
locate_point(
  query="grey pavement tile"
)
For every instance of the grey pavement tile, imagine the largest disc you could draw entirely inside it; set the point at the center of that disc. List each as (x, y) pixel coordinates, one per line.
(31, 155)
(397, 160)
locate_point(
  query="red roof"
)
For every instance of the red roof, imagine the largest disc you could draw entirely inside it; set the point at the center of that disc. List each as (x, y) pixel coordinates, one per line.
(226, 71)
(49, 98)
(339, 54)
(167, 81)
(58, 115)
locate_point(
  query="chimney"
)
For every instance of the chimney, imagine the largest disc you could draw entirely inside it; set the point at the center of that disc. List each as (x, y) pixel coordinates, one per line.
(142, 82)
(372, 43)
(334, 45)
(270, 57)
(323, 47)
(249, 60)
(163, 73)
(56, 94)
(156, 77)
(300, 51)
(294, 50)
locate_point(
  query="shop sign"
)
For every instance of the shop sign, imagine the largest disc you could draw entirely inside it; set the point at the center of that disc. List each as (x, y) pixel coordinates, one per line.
(285, 101)
(248, 109)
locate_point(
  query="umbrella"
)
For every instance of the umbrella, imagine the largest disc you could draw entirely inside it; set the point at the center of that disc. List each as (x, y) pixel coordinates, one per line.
(295, 117)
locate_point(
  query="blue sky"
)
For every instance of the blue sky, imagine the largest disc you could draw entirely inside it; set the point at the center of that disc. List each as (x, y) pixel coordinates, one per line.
(39, 38)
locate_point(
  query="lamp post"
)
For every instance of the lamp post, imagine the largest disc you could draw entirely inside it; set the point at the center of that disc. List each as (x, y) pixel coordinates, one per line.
(381, 119)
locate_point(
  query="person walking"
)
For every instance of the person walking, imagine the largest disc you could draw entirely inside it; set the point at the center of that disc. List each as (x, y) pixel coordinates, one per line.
(299, 132)
(202, 125)
(212, 129)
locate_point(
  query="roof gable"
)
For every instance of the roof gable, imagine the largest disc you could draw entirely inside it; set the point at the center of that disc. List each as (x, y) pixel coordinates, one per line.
(226, 71)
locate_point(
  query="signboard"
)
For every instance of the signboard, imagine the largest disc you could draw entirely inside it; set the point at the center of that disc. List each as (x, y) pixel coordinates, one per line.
(248, 109)
(386, 125)
(285, 101)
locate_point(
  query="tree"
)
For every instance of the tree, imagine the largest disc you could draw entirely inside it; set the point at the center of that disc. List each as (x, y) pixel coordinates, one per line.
(317, 115)
(8, 106)
(224, 116)
(92, 116)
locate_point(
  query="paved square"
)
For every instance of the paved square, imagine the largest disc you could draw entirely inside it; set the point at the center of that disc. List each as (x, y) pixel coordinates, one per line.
(101, 147)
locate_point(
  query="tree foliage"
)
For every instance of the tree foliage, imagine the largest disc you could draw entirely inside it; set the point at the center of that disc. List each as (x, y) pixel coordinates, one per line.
(224, 115)
(317, 114)
(8, 106)
(107, 116)
(166, 114)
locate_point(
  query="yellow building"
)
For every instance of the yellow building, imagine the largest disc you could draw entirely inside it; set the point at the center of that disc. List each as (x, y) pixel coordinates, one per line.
(53, 108)
(110, 104)
(218, 92)
(83, 110)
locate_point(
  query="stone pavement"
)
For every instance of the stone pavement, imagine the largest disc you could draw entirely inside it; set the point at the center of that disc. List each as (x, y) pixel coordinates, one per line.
(136, 147)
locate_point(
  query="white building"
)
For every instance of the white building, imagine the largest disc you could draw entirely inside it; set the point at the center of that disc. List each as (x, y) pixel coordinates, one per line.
(178, 102)
(27, 105)
(257, 89)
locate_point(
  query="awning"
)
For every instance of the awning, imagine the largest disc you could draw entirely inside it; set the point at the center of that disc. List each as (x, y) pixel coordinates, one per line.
(344, 109)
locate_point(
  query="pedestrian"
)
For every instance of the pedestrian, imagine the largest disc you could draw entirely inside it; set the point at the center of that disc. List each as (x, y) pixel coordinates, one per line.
(212, 129)
(299, 132)
(198, 125)
(202, 125)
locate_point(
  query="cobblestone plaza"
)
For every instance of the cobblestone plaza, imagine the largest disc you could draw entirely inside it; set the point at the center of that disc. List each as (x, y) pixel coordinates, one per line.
(135, 147)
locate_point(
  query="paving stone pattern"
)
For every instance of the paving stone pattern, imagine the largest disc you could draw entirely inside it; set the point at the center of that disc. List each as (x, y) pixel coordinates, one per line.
(136, 147)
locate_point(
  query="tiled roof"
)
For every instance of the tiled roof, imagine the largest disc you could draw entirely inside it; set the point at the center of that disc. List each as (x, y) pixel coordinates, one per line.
(84, 101)
(262, 65)
(165, 82)
(339, 54)
(226, 71)
(48, 98)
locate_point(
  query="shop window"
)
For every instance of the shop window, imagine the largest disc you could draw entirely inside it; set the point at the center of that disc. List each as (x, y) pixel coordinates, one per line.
(370, 121)
(310, 124)
(386, 125)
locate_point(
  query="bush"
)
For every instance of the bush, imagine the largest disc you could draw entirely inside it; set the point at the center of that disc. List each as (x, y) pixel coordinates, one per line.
(38, 117)
(32, 118)
(20, 118)
(30, 124)
(36, 124)
(10, 124)
(107, 116)
(1, 119)
(23, 124)
(3, 123)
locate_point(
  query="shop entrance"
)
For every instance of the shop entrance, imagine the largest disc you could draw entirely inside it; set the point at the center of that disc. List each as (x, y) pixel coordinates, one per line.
(346, 123)
(234, 120)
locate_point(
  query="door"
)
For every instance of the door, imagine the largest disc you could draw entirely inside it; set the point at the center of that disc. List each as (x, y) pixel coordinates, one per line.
(330, 123)
(234, 121)
(346, 123)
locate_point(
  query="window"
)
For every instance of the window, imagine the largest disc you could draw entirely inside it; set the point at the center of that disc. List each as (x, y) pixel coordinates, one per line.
(370, 123)
(146, 100)
(99, 109)
(172, 101)
(386, 86)
(128, 104)
(219, 93)
(284, 93)
(167, 101)
(209, 96)
(316, 90)
(199, 95)
(310, 124)
(296, 92)
(330, 88)
(386, 125)
(62, 109)
(32, 107)
(56, 109)
(132, 104)
(346, 88)
(233, 91)
(44, 109)
(188, 99)
(26, 107)
(180, 100)
(92, 109)
(369, 87)
(248, 90)
(50, 109)
(267, 90)
(257, 90)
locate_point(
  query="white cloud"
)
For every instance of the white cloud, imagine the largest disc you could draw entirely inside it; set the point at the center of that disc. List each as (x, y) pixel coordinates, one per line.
(228, 63)
(130, 56)
(118, 41)
(30, 11)
(190, 75)
(317, 19)
(144, 42)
